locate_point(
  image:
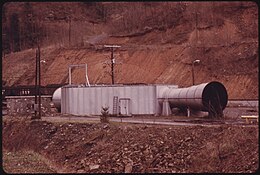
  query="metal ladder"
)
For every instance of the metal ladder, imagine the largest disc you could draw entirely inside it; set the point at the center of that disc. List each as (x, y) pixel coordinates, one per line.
(115, 105)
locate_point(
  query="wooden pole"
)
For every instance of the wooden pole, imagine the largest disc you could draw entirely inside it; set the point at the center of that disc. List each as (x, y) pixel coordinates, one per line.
(192, 73)
(36, 82)
(112, 65)
(39, 63)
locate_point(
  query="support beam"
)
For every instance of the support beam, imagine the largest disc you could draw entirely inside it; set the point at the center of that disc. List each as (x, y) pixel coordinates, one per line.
(79, 66)
(166, 110)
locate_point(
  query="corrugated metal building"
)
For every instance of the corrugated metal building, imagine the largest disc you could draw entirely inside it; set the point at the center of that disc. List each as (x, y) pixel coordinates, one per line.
(121, 99)
(155, 99)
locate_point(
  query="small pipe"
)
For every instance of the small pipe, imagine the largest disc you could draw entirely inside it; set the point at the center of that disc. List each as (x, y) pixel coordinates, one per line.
(69, 75)
(87, 75)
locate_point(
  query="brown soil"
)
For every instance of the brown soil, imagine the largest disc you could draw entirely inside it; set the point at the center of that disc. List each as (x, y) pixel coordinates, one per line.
(115, 147)
(156, 49)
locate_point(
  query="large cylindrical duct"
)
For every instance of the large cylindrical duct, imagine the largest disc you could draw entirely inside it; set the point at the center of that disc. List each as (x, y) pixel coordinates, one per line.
(211, 97)
(56, 99)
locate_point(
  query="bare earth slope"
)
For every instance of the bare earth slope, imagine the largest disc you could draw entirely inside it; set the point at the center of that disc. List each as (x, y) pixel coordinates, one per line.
(224, 36)
(115, 148)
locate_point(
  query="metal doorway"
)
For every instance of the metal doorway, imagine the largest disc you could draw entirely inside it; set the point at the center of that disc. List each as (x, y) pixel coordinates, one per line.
(124, 106)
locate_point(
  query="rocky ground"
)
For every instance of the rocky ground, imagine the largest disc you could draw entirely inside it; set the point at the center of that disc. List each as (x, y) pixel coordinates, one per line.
(119, 147)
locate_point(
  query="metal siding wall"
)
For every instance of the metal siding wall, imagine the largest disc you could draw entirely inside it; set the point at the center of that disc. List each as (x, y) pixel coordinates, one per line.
(66, 100)
(76, 99)
(134, 100)
(110, 99)
(73, 100)
(89, 100)
(70, 100)
(142, 99)
(64, 105)
(146, 100)
(98, 100)
(102, 98)
(127, 93)
(150, 99)
(113, 93)
(155, 101)
(63, 96)
(142, 105)
(80, 100)
(92, 101)
(86, 101)
(107, 96)
(119, 92)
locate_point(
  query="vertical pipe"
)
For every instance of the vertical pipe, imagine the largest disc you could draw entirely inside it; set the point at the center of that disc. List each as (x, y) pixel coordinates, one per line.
(69, 75)
(87, 75)
(112, 65)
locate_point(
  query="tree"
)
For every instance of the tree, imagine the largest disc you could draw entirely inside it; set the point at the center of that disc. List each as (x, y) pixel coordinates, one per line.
(29, 29)
(15, 33)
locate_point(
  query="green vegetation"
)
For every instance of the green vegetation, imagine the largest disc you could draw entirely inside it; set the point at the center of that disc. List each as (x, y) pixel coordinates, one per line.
(25, 162)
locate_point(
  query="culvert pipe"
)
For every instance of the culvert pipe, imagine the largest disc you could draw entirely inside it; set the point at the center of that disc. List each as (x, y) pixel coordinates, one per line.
(211, 97)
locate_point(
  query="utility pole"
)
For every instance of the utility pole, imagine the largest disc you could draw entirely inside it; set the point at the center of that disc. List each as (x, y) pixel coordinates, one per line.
(36, 88)
(69, 30)
(112, 60)
(192, 70)
(37, 100)
(39, 63)
(196, 15)
(112, 65)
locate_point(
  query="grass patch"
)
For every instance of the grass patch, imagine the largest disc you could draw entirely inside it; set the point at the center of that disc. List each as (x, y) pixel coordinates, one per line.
(25, 162)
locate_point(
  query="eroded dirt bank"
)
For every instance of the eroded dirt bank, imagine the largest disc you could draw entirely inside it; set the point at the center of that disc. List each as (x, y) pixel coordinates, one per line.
(96, 147)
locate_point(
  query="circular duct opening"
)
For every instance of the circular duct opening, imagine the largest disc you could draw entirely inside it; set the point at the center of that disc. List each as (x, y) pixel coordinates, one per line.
(214, 98)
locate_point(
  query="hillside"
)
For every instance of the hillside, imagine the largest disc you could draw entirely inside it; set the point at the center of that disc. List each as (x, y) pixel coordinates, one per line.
(159, 42)
(80, 147)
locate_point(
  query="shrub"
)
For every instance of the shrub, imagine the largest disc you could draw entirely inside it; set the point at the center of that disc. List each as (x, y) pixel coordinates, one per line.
(104, 118)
